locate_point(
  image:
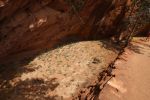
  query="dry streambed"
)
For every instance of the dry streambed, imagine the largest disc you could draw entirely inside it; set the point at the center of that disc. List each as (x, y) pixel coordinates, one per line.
(59, 73)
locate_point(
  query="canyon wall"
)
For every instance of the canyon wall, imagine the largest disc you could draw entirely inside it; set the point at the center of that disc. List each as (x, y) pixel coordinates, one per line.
(27, 25)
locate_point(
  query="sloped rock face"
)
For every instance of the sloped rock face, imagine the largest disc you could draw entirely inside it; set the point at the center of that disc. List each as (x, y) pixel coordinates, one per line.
(57, 74)
(38, 24)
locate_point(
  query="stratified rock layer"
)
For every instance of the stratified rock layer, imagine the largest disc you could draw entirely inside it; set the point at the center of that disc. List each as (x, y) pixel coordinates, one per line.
(38, 24)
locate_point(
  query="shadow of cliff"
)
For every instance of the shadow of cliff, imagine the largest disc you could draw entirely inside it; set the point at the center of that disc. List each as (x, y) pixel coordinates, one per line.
(30, 90)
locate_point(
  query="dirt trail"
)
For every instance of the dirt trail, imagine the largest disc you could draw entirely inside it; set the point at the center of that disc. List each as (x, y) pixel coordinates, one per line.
(132, 74)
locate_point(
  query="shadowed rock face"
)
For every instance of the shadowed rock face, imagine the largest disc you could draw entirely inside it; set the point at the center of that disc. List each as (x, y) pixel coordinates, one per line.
(27, 25)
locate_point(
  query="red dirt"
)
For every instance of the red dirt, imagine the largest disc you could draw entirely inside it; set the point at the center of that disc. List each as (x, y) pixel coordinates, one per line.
(132, 75)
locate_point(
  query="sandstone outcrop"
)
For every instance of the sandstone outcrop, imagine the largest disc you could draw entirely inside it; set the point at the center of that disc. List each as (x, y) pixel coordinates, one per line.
(27, 25)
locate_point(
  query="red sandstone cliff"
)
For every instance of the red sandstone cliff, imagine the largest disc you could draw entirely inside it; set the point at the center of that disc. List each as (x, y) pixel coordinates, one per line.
(36, 24)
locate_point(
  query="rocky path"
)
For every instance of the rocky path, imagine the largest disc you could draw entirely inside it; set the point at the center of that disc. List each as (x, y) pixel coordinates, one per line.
(132, 80)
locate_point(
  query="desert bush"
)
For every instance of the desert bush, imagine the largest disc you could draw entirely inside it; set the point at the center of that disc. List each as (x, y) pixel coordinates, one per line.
(139, 15)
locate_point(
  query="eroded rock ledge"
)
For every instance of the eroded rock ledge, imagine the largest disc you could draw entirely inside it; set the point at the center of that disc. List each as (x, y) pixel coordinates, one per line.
(38, 24)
